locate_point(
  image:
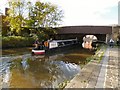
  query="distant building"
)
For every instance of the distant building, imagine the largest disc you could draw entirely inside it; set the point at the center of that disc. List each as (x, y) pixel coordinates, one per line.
(4, 25)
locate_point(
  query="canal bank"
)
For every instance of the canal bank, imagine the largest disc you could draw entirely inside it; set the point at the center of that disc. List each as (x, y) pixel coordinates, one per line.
(103, 74)
(16, 51)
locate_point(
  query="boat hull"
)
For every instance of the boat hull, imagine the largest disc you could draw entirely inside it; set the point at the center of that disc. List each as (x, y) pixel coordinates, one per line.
(38, 52)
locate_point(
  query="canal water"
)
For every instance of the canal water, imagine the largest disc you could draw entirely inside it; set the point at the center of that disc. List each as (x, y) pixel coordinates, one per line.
(46, 71)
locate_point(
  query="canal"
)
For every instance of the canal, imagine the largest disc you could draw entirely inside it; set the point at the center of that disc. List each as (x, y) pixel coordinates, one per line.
(46, 71)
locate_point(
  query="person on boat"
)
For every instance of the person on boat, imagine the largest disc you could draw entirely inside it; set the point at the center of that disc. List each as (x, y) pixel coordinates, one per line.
(46, 44)
(36, 43)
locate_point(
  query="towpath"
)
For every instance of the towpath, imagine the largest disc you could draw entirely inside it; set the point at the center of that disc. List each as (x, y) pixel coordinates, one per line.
(104, 74)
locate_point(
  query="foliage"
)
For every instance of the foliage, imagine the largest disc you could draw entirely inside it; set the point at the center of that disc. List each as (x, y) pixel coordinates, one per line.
(98, 54)
(15, 16)
(25, 14)
(29, 21)
(17, 41)
(46, 14)
(63, 84)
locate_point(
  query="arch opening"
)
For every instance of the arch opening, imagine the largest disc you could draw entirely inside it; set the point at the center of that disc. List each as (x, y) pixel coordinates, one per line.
(87, 41)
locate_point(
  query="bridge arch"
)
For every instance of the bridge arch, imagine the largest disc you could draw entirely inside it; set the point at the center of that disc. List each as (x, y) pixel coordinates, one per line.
(87, 41)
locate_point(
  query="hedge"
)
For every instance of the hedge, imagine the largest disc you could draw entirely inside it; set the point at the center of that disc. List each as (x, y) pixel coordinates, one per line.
(17, 41)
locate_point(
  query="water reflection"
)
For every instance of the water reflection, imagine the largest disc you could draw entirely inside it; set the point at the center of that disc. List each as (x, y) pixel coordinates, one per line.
(42, 71)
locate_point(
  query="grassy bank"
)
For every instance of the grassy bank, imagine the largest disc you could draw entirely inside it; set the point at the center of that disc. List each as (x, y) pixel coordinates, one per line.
(99, 53)
(17, 41)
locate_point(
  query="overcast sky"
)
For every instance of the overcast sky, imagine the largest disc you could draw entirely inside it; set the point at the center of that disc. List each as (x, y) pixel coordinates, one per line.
(84, 12)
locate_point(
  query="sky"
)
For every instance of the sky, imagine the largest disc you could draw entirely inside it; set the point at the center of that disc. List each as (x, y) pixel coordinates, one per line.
(84, 12)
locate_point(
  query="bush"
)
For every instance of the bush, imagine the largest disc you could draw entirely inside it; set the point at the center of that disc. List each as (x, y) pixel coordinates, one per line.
(17, 41)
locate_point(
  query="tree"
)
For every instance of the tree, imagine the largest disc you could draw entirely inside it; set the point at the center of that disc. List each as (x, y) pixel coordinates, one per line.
(30, 21)
(46, 16)
(15, 16)
(25, 14)
(53, 16)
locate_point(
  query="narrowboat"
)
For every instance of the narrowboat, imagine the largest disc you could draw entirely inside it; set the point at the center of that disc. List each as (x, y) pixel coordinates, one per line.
(55, 46)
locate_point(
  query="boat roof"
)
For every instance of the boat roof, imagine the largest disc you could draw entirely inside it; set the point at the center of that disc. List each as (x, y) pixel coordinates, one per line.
(63, 40)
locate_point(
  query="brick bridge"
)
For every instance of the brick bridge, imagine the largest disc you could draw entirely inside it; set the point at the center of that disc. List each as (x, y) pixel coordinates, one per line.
(103, 33)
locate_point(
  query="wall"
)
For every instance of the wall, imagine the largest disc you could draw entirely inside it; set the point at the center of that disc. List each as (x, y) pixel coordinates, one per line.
(115, 32)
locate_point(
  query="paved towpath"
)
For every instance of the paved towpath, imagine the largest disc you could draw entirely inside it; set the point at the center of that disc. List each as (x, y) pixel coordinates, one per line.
(102, 74)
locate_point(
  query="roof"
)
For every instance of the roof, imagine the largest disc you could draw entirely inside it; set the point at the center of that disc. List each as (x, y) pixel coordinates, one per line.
(85, 30)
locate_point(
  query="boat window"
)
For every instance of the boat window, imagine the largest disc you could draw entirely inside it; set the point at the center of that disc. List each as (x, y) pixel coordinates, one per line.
(60, 44)
(68, 42)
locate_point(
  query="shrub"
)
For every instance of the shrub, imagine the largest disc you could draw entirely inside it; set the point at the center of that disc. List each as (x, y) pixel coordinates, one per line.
(17, 41)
